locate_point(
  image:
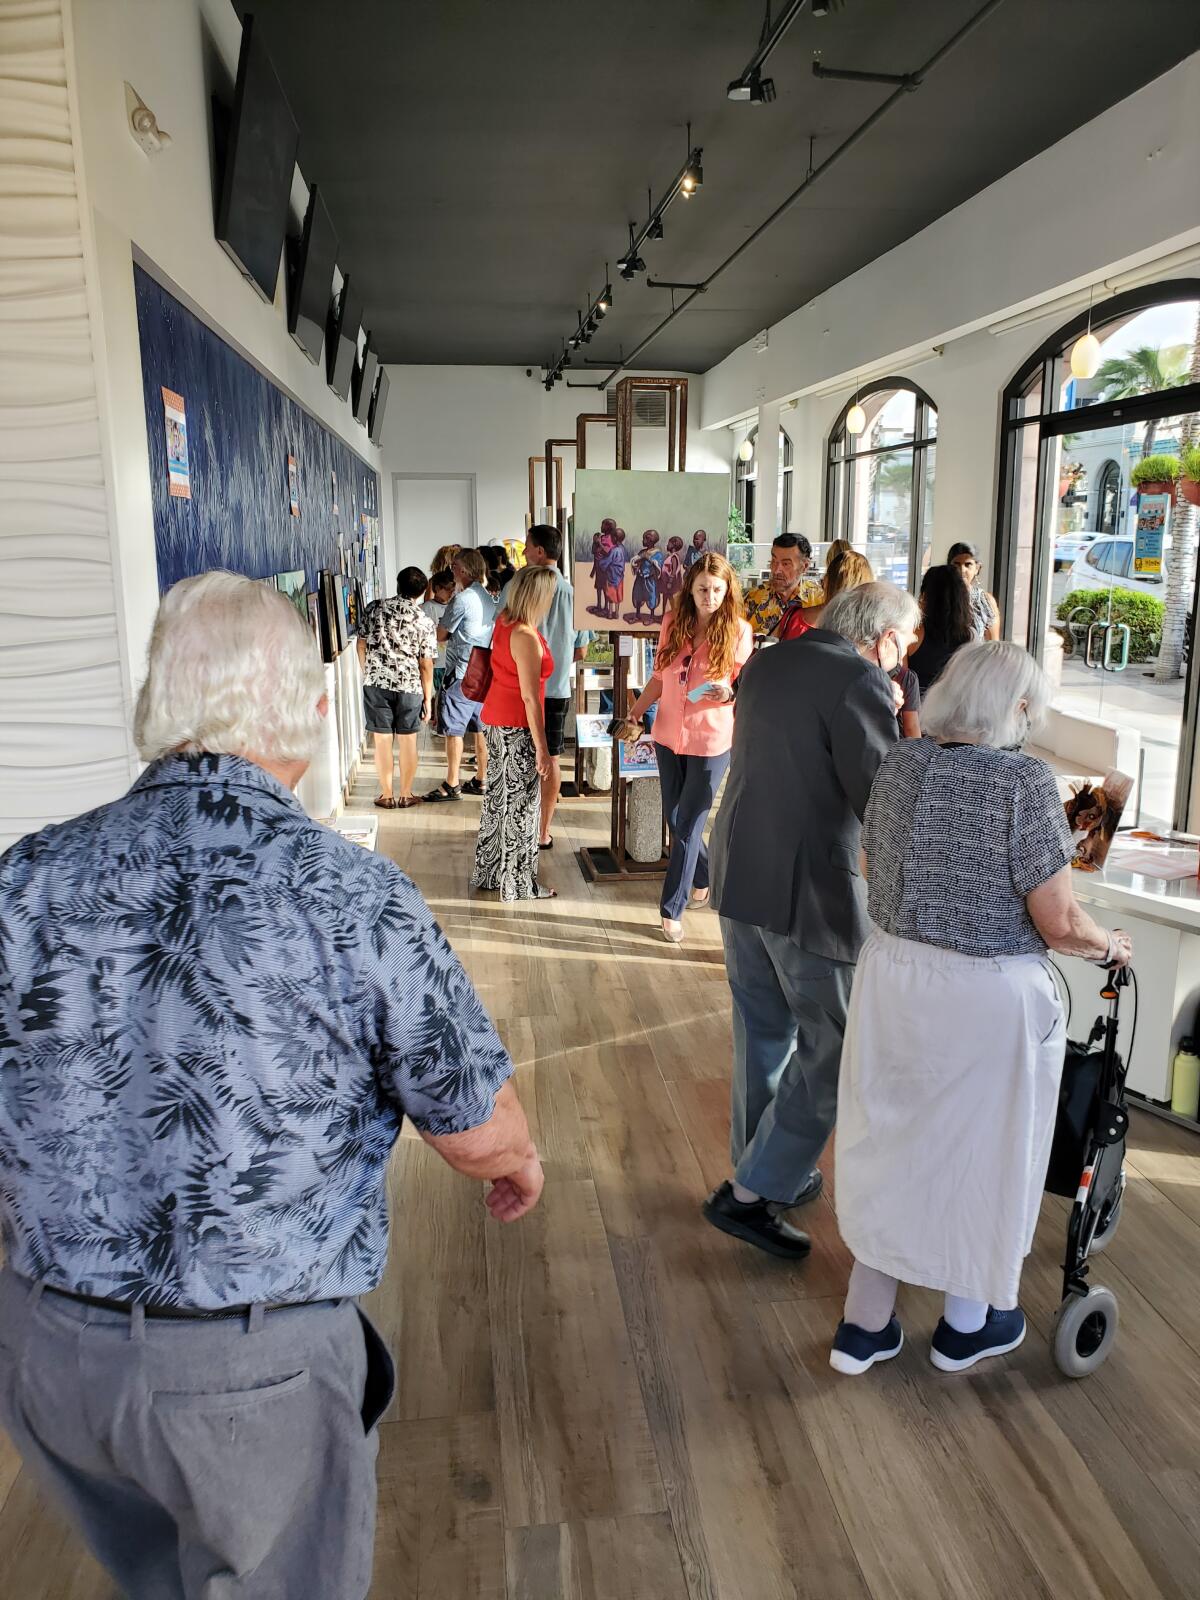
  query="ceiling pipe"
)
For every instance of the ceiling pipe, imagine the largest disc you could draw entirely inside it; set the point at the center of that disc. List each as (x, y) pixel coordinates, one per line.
(911, 82)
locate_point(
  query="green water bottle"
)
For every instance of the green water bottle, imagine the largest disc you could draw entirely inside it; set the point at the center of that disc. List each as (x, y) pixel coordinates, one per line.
(1185, 1081)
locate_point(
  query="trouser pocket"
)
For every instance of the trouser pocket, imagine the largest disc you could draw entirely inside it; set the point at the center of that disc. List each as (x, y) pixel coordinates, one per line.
(245, 1458)
(380, 1386)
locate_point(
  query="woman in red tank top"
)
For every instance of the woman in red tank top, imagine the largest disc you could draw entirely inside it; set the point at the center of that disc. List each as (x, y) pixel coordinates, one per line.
(506, 851)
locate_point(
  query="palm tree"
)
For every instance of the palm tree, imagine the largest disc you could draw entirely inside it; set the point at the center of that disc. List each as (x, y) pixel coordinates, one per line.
(1145, 370)
(1185, 526)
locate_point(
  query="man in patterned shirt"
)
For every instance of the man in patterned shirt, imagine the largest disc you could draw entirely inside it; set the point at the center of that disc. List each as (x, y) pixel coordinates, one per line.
(214, 1014)
(791, 557)
(397, 646)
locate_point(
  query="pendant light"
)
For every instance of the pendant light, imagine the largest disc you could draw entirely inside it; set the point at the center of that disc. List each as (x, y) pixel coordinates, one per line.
(1085, 353)
(856, 417)
(746, 450)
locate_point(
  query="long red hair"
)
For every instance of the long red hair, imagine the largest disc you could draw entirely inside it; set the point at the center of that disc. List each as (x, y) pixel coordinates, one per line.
(722, 631)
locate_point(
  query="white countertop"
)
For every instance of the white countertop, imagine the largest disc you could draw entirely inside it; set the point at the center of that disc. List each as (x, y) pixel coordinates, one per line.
(1175, 903)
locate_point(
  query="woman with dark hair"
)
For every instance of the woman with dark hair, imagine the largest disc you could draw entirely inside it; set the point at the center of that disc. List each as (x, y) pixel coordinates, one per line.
(500, 569)
(946, 624)
(704, 642)
(985, 613)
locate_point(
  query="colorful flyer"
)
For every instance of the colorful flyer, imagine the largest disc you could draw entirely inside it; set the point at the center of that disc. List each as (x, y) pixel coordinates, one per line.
(294, 485)
(1154, 511)
(178, 471)
(637, 760)
(333, 477)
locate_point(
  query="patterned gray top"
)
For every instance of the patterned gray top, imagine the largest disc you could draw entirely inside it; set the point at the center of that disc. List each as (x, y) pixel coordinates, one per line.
(956, 836)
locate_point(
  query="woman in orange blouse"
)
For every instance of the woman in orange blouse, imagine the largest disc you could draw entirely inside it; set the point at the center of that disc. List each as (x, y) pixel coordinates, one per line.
(703, 645)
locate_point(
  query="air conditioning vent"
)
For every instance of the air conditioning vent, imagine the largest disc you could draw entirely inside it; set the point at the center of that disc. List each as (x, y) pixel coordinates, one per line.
(649, 408)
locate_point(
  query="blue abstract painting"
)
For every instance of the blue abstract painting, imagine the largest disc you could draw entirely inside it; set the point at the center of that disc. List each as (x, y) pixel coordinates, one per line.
(241, 430)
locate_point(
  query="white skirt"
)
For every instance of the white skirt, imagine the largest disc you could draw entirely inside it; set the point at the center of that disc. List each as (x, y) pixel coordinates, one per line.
(946, 1105)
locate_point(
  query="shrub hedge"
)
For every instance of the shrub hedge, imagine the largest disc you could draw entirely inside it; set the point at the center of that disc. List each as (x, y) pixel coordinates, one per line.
(1142, 612)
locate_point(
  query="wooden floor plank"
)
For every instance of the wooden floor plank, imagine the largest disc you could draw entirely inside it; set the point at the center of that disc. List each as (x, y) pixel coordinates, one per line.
(41, 1558)
(1166, 1156)
(608, 1558)
(574, 1438)
(439, 1534)
(431, 1307)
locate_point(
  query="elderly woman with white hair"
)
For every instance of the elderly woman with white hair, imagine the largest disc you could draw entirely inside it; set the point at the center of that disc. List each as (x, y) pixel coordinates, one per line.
(955, 1036)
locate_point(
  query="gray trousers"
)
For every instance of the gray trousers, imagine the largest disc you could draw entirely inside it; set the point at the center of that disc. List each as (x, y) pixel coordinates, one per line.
(789, 1019)
(202, 1460)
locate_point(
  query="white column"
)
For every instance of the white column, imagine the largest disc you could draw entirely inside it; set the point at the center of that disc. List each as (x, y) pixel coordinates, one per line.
(766, 513)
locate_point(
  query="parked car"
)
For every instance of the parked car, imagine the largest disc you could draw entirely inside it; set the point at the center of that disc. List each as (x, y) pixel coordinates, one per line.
(1108, 564)
(1071, 547)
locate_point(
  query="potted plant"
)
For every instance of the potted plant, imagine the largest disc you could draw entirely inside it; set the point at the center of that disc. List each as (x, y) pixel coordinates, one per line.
(1155, 475)
(1189, 476)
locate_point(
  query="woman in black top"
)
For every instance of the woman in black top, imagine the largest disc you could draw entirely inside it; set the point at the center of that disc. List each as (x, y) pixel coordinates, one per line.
(946, 624)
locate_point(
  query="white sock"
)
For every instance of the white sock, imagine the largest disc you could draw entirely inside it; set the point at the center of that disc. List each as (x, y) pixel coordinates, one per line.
(870, 1299)
(744, 1197)
(965, 1316)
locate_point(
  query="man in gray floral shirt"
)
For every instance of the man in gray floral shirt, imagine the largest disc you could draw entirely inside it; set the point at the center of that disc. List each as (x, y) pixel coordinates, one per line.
(397, 645)
(214, 1015)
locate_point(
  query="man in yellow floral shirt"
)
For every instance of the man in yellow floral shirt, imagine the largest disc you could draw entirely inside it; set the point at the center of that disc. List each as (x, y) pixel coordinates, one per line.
(791, 557)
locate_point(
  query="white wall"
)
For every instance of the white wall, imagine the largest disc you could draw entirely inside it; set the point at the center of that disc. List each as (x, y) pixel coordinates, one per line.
(64, 743)
(1114, 195)
(175, 53)
(489, 420)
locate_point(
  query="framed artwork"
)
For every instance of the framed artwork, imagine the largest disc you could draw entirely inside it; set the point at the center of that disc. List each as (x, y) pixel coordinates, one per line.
(331, 614)
(345, 621)
(294, 585)
(637, 759)
(591, 730)
(316, 623)
(635, 537)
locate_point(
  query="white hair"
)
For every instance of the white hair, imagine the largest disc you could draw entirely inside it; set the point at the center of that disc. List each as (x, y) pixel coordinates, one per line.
(232, 670)
(991, 692)
(865, 614)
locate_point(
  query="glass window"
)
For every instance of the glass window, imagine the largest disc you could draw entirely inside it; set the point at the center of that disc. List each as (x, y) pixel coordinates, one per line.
(1071, 520)
(879, 487)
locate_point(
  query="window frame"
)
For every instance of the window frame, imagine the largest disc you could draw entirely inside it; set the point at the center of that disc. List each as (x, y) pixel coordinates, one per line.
(922, 441)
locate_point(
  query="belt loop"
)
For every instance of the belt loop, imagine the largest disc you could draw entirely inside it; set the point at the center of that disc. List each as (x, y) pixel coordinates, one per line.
(137, 1323)
(257, 1318)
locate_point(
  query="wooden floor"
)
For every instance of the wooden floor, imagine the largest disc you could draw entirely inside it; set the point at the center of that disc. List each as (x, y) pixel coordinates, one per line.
(610, 1401)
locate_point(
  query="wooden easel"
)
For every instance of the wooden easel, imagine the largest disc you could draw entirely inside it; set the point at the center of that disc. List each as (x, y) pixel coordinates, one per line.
(613, 865)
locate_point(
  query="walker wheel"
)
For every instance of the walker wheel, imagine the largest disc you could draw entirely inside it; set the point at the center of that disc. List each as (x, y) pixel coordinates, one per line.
(1084, 1331)
(1110, 1216)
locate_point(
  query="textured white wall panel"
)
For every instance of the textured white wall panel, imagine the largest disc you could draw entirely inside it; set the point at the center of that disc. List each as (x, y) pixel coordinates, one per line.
(64, 742)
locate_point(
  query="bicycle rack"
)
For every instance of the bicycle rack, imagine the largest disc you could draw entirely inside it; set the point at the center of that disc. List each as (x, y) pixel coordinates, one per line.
(1100, 640)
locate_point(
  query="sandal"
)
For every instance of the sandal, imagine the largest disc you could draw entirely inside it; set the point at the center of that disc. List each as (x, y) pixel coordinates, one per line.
(541, 893)
(407, 801)
(444, 791)
(385, 802)
(474, 787)
(549, 845)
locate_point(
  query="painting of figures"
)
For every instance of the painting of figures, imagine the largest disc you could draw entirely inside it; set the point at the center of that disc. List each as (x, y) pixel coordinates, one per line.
(636, 534)
(294, 585)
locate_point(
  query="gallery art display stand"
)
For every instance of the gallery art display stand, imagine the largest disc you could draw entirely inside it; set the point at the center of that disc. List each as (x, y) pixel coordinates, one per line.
(617, 864)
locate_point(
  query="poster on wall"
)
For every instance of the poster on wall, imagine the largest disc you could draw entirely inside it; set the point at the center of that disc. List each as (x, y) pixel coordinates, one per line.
(293, 486)
(1152, 514)
(179, 476)
(636, 536)
(333, 482)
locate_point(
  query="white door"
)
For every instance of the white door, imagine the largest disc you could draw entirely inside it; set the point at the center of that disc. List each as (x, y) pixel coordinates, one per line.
(431, 512)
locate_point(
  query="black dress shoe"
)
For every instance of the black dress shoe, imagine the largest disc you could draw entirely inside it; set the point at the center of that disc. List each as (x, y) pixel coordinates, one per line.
(755, 1224)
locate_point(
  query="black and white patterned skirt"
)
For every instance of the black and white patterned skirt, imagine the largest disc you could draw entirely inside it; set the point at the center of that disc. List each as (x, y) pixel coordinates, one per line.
(506, 852)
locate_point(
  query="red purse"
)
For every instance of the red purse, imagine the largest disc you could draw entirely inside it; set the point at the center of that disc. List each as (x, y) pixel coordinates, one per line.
(477, 679)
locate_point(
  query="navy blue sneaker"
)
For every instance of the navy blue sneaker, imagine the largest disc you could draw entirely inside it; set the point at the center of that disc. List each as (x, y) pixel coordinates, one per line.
(955, 1352)
(854, 1349)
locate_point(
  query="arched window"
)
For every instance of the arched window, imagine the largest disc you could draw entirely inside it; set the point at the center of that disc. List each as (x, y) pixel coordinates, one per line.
(745, 484)
(1071, 522)
(879, 482)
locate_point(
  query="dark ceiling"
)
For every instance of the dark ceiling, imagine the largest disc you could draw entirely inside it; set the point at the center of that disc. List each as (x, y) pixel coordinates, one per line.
(481, 158)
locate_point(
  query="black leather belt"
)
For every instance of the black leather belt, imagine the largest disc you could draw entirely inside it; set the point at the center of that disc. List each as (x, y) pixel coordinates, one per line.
(175, 1313)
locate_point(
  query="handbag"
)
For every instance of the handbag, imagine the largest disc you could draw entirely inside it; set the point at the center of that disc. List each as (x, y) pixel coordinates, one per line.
(477, 679)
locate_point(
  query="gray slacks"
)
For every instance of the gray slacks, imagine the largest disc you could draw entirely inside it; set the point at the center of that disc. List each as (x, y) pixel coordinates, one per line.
(789, 1019)
(231, 1459)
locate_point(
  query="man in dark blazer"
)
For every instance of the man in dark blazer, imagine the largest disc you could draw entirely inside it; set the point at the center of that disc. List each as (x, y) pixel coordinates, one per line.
(815, 717)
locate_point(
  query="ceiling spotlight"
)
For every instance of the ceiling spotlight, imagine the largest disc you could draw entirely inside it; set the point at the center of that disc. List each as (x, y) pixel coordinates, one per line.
(655, 230)
(753, 89)
(693, 174)
(605, 301)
